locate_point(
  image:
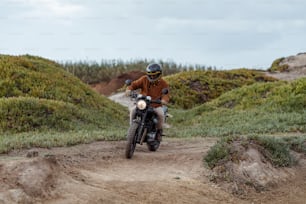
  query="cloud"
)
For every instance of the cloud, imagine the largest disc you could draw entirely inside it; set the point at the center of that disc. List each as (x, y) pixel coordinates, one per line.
(48, 8)
(228, 26)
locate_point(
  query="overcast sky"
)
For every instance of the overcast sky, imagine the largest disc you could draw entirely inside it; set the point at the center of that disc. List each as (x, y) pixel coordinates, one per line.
(223, 33)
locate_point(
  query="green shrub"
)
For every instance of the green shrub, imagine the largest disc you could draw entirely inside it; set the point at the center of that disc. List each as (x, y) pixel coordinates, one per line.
(23, 114)
(259, 108)
(31, 76)
(297, 143)
(276, 96)
(275, 150)
(38, 93)
(192, 88)
(220, 151)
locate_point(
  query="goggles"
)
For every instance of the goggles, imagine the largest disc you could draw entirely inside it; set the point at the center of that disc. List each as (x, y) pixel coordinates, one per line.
(153, 73)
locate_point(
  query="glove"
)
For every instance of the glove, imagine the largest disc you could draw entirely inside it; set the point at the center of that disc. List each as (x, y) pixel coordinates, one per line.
(164, 102)
(128, 92)
(158, 101)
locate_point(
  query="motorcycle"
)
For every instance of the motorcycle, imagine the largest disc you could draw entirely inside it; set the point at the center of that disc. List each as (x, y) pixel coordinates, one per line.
(143, 127)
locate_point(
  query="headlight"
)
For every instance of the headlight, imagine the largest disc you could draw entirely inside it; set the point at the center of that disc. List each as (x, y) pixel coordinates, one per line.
(141, 104)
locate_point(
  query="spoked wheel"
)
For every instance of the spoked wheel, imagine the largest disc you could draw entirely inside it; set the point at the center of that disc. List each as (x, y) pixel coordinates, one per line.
(131, 140)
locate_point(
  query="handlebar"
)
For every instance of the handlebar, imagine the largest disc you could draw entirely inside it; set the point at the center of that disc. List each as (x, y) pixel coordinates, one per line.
(158, 101)
(134, 95)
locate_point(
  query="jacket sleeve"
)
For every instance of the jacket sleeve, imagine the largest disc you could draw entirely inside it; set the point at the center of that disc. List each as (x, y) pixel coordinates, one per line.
(136, 84)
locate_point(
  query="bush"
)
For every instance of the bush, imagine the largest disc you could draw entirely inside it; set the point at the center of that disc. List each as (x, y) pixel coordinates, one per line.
(192, 88)
(276, 96)
(21, 114)
(38, 93)
(297, 144)
(275, 150)
(220, 151)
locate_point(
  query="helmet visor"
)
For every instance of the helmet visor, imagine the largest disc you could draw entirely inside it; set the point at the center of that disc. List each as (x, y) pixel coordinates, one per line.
(153, 75)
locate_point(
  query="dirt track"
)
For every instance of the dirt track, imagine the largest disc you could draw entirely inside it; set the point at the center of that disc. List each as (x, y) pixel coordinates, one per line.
(99, 173)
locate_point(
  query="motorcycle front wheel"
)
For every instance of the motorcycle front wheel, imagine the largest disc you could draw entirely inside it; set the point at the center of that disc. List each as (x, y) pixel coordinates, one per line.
(131, 140)
(153, 146)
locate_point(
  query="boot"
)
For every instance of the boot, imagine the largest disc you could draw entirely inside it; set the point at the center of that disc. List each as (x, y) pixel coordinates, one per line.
(159, 134)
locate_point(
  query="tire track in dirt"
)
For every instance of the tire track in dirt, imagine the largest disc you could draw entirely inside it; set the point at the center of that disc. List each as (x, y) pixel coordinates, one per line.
(173, 174)
(99, 173)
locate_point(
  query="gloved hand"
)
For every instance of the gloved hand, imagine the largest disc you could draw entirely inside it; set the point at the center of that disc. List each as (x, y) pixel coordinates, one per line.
(128, 92)
(164, 102)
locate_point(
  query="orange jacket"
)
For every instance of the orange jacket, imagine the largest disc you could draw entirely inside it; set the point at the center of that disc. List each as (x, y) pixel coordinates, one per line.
(153, 89)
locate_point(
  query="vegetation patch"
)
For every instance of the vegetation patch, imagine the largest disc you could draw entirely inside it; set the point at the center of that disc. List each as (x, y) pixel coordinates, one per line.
(261, 108)
(39, 95)
(193, 88)
(241, 164)
(31, 76)
(276, 96)
(23, 114)
(51, 138)
(277, 67)
(106, 70)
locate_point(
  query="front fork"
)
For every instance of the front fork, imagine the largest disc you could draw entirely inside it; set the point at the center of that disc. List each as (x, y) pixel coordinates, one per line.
(141, 130)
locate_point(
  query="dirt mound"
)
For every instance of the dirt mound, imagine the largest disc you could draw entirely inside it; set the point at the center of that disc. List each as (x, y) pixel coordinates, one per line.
(248, 170)
(25, 180)
(295, 67)
(116, 83)
(295, 63)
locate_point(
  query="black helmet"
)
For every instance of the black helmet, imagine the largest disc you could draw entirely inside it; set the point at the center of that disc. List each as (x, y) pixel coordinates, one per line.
(154, 72)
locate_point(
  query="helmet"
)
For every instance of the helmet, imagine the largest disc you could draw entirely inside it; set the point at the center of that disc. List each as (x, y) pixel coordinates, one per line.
(154, 72)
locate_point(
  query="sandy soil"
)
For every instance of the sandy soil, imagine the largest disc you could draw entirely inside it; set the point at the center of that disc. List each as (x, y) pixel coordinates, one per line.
(288, 76)
(99, 173)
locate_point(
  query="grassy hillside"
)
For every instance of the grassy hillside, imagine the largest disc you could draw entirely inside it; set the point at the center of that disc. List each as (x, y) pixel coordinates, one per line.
(261, 108)
(277, 96)
(193, 88)
(37, 94)
(43, 105)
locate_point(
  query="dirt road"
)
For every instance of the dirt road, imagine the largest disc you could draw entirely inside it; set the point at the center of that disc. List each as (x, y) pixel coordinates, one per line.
(99, 173)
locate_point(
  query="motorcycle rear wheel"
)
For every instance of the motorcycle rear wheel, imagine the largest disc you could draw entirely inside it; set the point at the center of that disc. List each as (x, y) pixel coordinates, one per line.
(131, 140)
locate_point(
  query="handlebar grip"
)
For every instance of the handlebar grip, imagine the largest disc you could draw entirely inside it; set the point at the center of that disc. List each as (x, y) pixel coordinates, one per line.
(158, 101)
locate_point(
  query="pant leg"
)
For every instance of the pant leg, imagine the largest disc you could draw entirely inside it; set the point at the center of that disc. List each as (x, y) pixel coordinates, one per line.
(161, 117)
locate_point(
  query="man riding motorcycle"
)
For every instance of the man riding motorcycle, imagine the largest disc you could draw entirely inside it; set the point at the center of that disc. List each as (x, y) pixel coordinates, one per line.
(152, 85)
